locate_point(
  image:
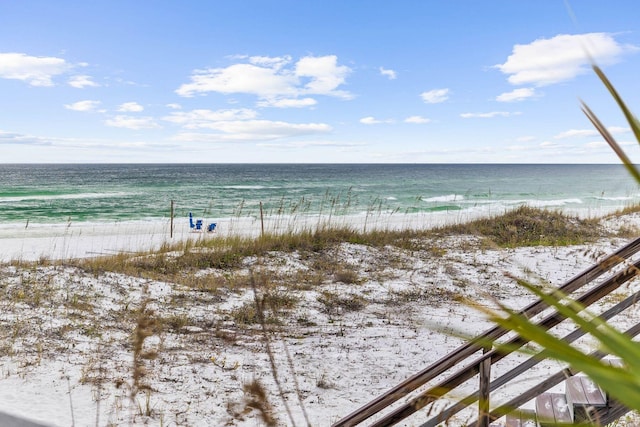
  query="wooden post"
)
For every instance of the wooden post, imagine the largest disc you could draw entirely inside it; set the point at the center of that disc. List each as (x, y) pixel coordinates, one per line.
(483, 401)
(171, 225)
(261, 221)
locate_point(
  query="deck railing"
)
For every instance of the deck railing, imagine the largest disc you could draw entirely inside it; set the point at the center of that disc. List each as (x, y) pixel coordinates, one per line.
(405, 399)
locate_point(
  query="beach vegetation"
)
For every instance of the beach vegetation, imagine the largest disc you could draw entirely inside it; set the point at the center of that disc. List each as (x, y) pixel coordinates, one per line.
(621, 382)
(336, 303)
(347, 276)
(523, 226)
(627, 210)
(528, 226)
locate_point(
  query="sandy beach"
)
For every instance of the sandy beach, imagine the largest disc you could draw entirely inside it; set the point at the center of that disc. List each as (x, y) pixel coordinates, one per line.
(66, 356)
(31, 242)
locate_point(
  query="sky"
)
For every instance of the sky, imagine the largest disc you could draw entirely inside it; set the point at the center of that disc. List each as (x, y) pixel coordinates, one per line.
(314, 81)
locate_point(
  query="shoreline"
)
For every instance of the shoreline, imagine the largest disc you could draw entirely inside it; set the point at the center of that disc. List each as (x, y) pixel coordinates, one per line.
(34, 241)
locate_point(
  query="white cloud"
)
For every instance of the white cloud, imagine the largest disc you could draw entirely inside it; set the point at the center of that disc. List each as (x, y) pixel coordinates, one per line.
(417, 120)
(576, 133)
(253, 130)
(560, 58)
(83, 106)
(548, 144)
(303, 144)
(489, 115)
(388, 73)
(174, 106)
(237, 125)
(516, 95)
(267, 129)
(80, 82)
(83, 143)
(130, 107)
(207, 119)
(325, 75)
(435, 96)
(288, 103)
(17, 138)
(34, 70)
(276, 62)
(518, 148)
(272, 78)
(618, 129)
(590, 132)
(527, 138)
(370, 121)
(596, 144)
(240, 78)
(130, 122)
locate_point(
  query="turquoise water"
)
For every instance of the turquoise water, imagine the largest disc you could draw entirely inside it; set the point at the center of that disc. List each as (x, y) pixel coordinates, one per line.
(108, 193)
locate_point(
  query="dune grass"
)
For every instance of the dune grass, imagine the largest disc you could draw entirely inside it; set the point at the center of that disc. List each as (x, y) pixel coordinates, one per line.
(527, 226)
(524, 226)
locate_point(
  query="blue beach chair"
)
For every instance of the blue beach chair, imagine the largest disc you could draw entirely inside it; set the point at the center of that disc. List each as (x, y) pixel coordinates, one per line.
(212, 227)
(197, 226)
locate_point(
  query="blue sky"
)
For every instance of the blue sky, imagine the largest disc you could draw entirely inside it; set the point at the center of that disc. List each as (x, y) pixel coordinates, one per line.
(308, 81)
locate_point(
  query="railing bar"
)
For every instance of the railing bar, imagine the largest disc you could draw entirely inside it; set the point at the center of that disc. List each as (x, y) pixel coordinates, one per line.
(555, 379)
(428, 396)
(526, 365)
(469, 348)
(484, 392)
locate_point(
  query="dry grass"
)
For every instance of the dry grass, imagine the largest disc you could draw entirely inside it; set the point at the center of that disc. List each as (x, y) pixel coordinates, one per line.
(526, 226)
(256, 398)
(334, 303)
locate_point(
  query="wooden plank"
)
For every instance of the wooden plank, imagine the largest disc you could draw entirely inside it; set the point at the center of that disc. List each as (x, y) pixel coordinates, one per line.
(544, 409)
(582, 390)
(595, 395)
(575, 391)
(617, 363)
(528, 364)
(521, 418)
(614, 361)
(483, 402)
(584, 398)
(576, 397)
(552, 409)
(552, 381)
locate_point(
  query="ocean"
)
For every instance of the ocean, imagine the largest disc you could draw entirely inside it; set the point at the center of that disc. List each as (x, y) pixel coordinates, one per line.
(98, 193)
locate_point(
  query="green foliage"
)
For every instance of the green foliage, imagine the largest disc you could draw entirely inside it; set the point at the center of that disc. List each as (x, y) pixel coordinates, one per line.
(623, 383)
(631, 119)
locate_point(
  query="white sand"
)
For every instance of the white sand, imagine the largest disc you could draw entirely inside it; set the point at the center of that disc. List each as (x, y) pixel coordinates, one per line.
(65, 361)
(30, 242)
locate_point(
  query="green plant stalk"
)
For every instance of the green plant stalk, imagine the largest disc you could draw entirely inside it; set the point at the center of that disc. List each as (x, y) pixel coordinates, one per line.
(622, 384)
(612, 340)
(631, 119)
